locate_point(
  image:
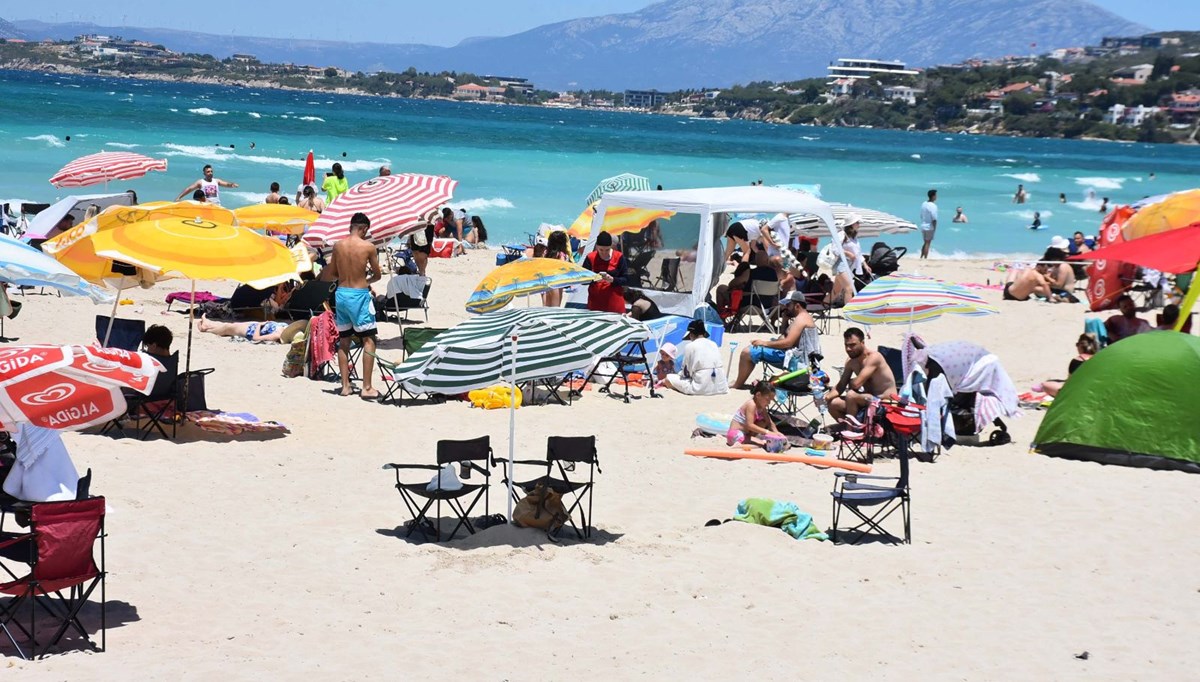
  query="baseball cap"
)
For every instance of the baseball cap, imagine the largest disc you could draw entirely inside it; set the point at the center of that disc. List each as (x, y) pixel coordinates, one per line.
(697, 327)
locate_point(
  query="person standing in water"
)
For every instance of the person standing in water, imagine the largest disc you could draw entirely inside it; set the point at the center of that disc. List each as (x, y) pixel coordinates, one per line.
(335, 184)
(929, 219)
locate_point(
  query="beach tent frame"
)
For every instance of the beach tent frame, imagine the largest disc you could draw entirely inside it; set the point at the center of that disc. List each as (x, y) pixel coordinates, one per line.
(714, 205)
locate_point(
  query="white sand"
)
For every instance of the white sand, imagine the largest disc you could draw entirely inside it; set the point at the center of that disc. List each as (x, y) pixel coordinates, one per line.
(278, 559)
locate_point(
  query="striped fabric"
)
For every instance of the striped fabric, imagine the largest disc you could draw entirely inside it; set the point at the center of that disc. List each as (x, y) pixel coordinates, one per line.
(905, 299)
(550, 342)
(106, 167)
(872, 224)
(525, 277)
(625, 182)
(617, 220)
(24, 265)
(394, 203)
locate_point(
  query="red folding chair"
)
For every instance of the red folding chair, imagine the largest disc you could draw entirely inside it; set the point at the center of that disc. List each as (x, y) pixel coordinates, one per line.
(59, 553)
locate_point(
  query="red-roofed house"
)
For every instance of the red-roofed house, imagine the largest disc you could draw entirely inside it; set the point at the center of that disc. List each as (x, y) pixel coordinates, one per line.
(476, 91)
(1023, 88)
(1184, 106)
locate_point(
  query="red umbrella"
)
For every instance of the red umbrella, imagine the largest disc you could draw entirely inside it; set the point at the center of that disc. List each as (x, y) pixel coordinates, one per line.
(394, 203)
(1173, 252)
(104, 167)
(310, 171)
(1108, 279)
(69, 387)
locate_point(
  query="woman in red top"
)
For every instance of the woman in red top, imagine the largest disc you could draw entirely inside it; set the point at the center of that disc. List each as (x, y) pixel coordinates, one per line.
(608, 294)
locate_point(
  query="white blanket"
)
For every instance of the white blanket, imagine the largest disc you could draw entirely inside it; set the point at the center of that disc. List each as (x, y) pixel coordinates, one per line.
(43, 471)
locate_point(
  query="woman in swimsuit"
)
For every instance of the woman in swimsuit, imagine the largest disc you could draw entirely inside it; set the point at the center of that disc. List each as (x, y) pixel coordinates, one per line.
(255, 332)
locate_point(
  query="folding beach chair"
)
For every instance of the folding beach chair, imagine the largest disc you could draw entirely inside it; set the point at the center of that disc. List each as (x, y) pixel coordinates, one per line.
(308, 301)
(402, 301)
(412, 340)
(858, 443)
(563, 454)
(872, 503)
(59, 550)
(762, 301)
(126, 334)
(629, 361)
(152, 413)
(668, 275)
(466, 454)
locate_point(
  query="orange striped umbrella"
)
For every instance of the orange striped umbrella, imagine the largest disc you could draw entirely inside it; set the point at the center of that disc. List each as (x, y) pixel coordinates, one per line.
(617, 220)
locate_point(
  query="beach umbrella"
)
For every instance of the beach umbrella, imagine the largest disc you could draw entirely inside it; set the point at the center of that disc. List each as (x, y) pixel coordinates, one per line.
(1173, 212)
(310, 171)
(617, 220)
(283, 218)
(872, 223)
(69, 387)
(905, 299)
(105, 167)
(394, 203)
(625, 182)
(1175, 252)
(516, 346)
(1108, 279)
(525, 277)
(24, 265)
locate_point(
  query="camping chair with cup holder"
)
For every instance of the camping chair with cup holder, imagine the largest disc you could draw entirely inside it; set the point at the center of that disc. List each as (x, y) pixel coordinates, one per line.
(59, 550)
(638, 268)
(409, 292)
(762, 301)
(563, 455)
(308, 300)
(624, 365)
(873, 501)
(168, 406)
(419, 498)
(125, 334)
(412, 340)
(858, 439)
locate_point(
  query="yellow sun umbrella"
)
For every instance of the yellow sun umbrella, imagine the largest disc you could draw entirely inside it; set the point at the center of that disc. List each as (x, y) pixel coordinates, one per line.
(74, 249)
(283, 218)
(154, 210)
(1175, 211)
(617, 220)
(525, 277)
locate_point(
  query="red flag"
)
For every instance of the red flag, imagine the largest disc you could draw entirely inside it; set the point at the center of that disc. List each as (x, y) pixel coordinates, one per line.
(310, 171)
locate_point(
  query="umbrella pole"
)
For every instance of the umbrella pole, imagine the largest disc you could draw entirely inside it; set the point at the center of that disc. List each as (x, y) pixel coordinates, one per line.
(112, 316)
(512, 427)
(1189, 301)
(187, 382)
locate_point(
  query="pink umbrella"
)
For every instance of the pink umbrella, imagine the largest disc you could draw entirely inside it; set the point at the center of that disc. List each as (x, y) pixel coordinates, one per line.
(69, 387)
(104, 167)
(394, 203)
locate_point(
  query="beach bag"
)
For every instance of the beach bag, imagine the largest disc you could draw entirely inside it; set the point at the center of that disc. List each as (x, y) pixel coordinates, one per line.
(827, 259)
(293, 362)
(541, 508)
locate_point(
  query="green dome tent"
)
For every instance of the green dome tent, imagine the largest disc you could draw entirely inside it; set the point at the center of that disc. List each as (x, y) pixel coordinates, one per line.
(1136, 403)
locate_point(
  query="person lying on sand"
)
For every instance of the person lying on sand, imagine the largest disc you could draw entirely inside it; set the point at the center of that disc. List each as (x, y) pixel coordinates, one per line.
(256, 332)
(1030, 282)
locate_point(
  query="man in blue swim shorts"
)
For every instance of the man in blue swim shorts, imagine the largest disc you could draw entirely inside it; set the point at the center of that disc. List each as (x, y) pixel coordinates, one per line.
(801, 337)
(355, 266)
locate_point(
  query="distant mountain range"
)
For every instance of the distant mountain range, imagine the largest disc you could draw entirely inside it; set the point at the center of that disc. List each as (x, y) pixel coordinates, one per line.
(688, 43)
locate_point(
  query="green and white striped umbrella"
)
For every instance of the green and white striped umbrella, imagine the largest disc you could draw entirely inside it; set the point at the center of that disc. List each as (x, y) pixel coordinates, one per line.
(625, 182)
(550, 342)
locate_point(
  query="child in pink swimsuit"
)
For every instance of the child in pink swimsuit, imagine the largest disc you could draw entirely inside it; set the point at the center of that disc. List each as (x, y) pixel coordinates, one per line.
(753, 424)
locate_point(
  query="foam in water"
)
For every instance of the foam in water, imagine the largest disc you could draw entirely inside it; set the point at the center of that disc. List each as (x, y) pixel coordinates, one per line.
(247, 198)
(1028, 215)
(254, 114)
(1023, 177)
(1101, 183)
(393, 139)
(915, 156)
(121, 145)
(205, 111)
(51, 140)
(220, 154)
(312, 118)
(472, 205)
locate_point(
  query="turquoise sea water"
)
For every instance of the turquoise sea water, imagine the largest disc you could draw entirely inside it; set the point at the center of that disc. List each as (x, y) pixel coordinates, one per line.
(521, 166)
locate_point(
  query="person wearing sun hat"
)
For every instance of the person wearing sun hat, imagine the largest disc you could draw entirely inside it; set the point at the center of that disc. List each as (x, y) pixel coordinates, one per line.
(703, 371)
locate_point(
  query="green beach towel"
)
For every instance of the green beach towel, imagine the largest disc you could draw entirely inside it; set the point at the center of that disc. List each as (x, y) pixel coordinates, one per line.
(784, 515)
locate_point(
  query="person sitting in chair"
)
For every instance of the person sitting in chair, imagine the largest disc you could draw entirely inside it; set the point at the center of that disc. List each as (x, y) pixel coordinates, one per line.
(1127, 323)
(801, 337)
(866, 374)
(157, 342)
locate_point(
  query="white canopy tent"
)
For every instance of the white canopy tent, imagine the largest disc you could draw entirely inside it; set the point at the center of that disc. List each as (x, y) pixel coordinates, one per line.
(713, 206)
(75, 205)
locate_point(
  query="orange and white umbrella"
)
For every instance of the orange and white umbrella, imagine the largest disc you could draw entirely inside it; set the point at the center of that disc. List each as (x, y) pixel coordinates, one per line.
(394, 203)
(106, 167)
(617, 220)
(69, 387)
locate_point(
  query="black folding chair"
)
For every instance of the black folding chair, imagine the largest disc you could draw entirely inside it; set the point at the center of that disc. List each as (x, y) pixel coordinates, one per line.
(563, 453)
(126, 334)
(631, 360)
(308, 301)
(464, 453)
(872, 503)
(668, 275)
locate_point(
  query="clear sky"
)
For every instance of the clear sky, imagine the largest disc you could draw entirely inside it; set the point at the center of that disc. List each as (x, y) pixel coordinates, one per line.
(433, 22)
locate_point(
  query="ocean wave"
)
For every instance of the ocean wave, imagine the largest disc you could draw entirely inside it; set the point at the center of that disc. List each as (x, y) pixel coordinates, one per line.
(247, 197)
(51, 140)
(173, 110)
(809, 137)
(393, 139)
(1101, 183)
(205, 111)
(1086, 204)
(221, 154)
(254, 114)
(1023, 177)
(476, 205)
(121, 145)
(312, 118)
(914, 156)
(959, 254)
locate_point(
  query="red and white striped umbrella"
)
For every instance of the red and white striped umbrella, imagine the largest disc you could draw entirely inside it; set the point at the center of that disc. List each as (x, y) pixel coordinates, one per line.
(94, 169)
(69, 387)
(394, 203)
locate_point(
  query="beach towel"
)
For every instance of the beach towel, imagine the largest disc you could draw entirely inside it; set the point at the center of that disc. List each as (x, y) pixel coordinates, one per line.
(783, 515)
(233, 423)
(322, 343)
(196, 299)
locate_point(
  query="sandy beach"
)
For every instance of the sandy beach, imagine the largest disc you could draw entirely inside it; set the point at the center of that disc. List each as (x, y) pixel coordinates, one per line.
(283, 558)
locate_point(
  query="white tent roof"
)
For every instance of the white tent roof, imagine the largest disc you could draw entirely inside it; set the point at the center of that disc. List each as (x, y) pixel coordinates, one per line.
(76, 205)
(749, 199)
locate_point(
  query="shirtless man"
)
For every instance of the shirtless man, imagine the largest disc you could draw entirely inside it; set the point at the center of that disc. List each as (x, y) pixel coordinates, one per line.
(867, 374)
(209, 185)
(355, 266)
(1028, 282)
